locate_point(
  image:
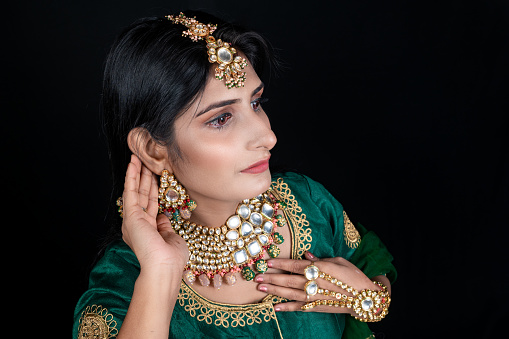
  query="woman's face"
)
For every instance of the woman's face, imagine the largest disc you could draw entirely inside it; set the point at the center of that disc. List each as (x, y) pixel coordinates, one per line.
(225, 141)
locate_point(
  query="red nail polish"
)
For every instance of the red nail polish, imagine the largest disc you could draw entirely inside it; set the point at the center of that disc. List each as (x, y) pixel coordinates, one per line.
(269, 263)
(311, 255)
(263, 288)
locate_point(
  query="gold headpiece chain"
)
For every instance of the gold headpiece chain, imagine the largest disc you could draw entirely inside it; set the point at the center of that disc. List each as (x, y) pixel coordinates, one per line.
(230, 66)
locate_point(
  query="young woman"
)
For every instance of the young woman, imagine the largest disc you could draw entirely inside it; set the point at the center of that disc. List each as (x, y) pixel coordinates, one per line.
(210, 243)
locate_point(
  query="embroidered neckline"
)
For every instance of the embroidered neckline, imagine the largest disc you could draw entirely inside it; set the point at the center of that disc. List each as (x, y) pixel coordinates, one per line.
(227, 315)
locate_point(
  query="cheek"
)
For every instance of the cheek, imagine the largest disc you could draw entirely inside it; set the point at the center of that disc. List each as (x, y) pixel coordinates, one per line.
(212, 155)
(209, 163)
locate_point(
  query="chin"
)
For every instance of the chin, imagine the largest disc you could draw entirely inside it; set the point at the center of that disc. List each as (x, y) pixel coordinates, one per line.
(257, 183)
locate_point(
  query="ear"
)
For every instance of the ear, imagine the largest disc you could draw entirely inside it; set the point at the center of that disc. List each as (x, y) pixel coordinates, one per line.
(152, 154)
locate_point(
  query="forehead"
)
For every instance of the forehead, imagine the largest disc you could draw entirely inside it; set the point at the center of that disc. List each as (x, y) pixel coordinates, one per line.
(216, 90)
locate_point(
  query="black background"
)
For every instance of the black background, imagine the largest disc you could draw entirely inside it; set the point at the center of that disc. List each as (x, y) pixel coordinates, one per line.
(398, 108)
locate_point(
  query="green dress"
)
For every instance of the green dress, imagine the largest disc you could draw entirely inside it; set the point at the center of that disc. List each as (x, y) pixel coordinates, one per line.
(317, 223)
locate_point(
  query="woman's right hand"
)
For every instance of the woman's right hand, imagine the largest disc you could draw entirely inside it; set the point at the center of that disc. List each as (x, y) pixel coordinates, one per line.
(149, 235)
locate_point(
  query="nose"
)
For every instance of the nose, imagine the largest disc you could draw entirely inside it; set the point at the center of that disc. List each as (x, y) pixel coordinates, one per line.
(262, 136)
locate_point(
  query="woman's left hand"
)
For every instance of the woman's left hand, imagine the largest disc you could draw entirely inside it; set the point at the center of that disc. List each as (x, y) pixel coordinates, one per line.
(291, 286)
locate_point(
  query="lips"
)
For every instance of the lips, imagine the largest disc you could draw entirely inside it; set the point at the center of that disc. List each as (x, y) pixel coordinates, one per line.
(258, 167)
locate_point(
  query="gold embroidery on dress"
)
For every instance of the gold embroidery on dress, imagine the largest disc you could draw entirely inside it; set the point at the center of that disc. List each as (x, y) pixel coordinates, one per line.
(352, 236)
(95, 322)
(227, 315)
(301, 233)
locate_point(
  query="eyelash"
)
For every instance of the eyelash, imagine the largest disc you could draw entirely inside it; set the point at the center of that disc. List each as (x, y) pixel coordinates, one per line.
(215, 122)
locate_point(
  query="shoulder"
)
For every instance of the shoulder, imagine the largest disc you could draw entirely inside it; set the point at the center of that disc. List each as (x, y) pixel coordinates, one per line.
(118, 253)
(297, 182)
(304, 189)
(116, 271)
(330, 221)
(104, 305)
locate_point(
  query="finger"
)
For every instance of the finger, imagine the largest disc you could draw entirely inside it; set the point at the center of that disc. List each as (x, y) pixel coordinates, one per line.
(289, 265)
(153, 201)
(310, 256)
(145, 185)
(336, 260)
(291, 306)
(284, 292)
(132, 179)
(284, 280)
(294, 306)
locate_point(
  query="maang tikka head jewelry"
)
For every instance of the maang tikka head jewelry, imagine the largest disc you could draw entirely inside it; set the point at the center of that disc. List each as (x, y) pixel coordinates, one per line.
(230, 66)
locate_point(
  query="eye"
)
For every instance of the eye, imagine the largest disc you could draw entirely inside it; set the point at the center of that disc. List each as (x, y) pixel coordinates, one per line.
(256, 104)
(220, 121)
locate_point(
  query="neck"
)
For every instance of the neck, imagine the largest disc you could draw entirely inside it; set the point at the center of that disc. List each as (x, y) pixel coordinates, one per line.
(213, 213)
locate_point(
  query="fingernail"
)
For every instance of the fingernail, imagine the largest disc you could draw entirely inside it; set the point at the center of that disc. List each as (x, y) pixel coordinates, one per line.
(311, 255)
(259, 278)
(263, 288)
(269, 263)
(277, 308)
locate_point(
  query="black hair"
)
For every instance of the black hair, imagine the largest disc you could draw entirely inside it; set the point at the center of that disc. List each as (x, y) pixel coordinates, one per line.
(152, 74)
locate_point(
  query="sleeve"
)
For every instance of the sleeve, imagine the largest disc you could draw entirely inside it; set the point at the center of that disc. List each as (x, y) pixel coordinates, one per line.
(361, 247)
(101, 309)
(344, 236)
(372, 258)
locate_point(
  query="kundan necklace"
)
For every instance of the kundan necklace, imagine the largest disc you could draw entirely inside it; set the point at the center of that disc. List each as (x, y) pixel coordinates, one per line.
(237, 246)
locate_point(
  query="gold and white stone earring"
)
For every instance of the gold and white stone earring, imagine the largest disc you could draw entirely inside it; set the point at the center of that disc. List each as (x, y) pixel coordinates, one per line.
(173, 199)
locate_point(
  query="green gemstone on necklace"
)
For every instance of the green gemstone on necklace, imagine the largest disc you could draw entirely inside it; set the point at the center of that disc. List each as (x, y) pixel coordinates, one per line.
(273, 251)
(280, 219)
(261, 266)
(278, 238)
(248, 273)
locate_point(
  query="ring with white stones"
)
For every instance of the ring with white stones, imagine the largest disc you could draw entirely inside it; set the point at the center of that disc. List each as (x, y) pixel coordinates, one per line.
(311, 273)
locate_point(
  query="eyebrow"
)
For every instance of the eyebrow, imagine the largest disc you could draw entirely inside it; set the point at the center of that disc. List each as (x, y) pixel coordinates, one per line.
(228, 102)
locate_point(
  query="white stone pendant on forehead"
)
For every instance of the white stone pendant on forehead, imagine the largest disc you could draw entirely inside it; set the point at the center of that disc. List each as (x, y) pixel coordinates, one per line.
(229, 66)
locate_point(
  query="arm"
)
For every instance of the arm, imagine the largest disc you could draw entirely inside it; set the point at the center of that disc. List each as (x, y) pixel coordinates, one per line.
(151, 307)
(162, 255)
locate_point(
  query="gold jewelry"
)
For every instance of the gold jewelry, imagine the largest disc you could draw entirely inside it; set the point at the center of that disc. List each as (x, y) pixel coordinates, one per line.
(311, 287)
(120, 204)
(195, 29)
(237, 246)
(173, 199)
(219, 253)
(370, 305)
(230, 66)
